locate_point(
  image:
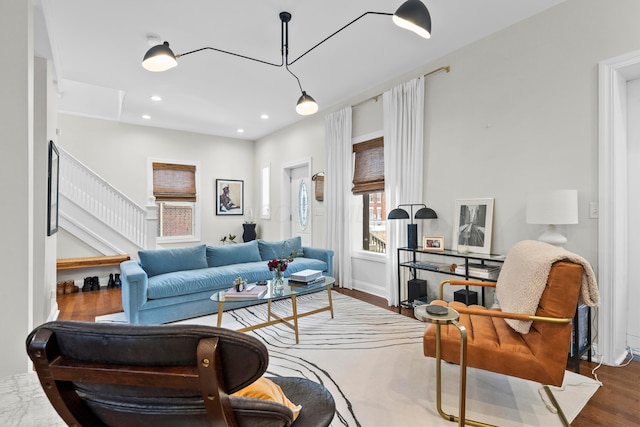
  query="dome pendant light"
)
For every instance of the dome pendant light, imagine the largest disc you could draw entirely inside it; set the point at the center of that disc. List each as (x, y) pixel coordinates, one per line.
(306, 105)
(159, 58)
(413, 15)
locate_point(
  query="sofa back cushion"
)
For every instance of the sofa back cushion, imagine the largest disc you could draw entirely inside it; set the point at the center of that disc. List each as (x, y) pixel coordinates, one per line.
(280, 249)
(160, 261)
(218, 256)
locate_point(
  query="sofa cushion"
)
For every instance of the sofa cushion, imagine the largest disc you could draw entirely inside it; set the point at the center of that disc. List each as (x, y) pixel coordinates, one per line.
(280, 249)
(160, 261)
(232, 254)
(265, 389)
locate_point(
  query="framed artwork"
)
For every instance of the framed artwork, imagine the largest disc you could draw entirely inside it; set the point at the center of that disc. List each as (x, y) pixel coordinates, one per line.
(473, 224)
(433, 243)
(229, 197)
(53, 177)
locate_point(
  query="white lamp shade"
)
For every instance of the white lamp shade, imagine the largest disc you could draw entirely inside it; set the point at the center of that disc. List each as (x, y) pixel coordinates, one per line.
(553, 207)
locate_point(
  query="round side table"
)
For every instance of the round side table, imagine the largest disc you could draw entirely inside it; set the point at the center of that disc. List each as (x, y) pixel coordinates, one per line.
(447, 316)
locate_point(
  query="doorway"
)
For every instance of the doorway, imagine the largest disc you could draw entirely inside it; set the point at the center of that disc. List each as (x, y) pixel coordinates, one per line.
(297, 201)
(614, 244)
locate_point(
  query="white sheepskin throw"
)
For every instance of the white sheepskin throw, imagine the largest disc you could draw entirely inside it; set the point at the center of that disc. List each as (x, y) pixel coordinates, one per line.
(523, 278)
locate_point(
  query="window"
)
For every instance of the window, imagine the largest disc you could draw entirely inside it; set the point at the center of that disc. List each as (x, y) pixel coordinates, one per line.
(265, 207)
(368, 181)
(174, 187)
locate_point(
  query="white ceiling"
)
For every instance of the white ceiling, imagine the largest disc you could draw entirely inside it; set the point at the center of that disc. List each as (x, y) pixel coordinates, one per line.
(97, 48)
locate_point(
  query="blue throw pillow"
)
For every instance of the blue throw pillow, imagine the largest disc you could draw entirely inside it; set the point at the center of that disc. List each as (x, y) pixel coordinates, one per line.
(280, 249)
(218, 256)
(160, 261)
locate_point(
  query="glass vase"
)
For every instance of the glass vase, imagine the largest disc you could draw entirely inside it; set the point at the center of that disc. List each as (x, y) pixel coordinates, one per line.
(278, 280)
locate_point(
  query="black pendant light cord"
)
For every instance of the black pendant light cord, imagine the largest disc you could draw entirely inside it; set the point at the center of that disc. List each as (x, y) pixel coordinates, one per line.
(230, 53)
(285, 17)
(336, 32)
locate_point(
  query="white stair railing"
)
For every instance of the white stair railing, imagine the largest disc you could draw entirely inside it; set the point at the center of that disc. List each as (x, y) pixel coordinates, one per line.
(105, 203)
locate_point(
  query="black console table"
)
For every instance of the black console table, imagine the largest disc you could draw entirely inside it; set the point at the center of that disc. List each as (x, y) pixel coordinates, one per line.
(413, 259)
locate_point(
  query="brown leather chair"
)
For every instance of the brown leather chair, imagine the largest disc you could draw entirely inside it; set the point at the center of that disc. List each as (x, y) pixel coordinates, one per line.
(101, 374)
(492, 345)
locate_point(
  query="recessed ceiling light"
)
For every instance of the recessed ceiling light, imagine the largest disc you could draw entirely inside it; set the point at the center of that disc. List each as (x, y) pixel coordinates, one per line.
(264, 116)
(240, 130)
(146, 116)
(156, 98)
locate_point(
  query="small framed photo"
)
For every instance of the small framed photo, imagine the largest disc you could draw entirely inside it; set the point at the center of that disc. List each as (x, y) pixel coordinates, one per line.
(473, 225)
(433, 243)
(229, 197)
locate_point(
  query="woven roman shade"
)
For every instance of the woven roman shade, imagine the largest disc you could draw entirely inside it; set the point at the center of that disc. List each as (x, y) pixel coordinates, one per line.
(368, 174)
(174, 182)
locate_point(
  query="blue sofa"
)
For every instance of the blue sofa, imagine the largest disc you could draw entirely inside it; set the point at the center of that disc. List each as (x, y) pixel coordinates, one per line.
(166, 285)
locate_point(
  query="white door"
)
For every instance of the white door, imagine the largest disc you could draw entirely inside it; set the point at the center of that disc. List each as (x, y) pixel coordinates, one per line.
(300, 207)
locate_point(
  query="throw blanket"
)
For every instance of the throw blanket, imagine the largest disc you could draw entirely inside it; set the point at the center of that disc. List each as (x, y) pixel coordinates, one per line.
(523, 278)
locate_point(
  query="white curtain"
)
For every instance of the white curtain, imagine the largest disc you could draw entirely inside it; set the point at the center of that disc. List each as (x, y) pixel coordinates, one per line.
(337, 193)
(403, 108)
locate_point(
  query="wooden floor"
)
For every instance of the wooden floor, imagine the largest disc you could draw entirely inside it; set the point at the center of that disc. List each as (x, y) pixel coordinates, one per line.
(617, 403)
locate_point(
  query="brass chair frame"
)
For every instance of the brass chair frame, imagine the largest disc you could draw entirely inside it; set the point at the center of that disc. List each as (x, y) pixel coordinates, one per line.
(463, 355)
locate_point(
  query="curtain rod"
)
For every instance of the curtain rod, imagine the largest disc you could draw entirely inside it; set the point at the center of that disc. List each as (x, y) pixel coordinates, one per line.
(437, 70)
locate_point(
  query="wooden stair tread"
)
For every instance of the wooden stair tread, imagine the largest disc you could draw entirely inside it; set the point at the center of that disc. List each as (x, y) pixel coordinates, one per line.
(94, 261)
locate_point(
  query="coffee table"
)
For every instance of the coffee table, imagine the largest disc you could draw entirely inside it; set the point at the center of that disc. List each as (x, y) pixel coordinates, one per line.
(289, 291)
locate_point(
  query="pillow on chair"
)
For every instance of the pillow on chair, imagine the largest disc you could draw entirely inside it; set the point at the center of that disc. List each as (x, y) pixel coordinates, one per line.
(265, 389)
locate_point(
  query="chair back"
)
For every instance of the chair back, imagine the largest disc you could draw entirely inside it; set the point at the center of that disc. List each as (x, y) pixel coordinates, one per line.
(550, 342)
(98, 374)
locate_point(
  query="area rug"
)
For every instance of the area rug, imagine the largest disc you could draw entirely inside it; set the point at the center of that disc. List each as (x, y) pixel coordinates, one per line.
(371, 361)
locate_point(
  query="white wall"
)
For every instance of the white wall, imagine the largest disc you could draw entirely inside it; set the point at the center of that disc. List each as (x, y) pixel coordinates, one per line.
(517, 113)
(45, 122)
(16, 184)
(119, 153)
(298, 142)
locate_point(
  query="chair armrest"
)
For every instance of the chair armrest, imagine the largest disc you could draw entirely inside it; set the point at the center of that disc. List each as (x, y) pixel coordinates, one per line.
(460, 282)
(508, 315)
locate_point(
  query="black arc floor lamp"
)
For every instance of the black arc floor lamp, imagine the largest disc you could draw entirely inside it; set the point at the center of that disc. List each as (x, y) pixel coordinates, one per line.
(411, 15)
(412, 229)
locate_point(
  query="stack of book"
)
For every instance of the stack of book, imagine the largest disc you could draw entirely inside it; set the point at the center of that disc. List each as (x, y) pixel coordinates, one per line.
(434, 266)
(306, 277)
(250, 292)
(480, 271)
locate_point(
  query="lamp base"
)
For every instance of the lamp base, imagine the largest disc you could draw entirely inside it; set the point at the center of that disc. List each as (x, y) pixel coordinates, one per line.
(552, 237)
(412, 235)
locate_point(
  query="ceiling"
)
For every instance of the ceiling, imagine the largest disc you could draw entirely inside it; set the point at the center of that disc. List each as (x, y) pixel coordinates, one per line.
(97, 47)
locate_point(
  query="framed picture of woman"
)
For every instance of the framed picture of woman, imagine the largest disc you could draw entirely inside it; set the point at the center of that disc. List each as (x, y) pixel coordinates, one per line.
(229, 197)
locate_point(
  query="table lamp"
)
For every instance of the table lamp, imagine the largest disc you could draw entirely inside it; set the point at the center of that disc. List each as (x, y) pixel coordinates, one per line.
(553, 208)
(412, 229)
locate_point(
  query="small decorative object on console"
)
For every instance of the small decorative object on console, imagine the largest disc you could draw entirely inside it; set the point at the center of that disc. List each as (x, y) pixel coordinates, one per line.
(436, 310)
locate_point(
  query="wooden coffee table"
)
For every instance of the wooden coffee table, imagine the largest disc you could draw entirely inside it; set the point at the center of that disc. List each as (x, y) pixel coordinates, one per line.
(288, 291)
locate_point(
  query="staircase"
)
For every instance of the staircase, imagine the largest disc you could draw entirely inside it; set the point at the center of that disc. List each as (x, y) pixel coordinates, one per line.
(98, 214)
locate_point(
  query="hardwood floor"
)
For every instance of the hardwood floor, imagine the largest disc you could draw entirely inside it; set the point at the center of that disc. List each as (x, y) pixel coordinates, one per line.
(616, 403)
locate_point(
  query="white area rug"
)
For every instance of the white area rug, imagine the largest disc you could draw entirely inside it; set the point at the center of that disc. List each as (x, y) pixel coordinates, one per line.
(371, 360)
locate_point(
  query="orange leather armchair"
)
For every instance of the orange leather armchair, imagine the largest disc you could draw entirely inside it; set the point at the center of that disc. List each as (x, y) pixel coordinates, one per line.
(492, 345)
